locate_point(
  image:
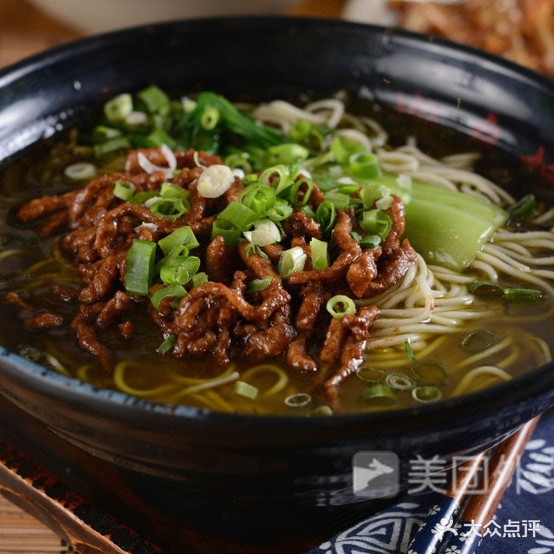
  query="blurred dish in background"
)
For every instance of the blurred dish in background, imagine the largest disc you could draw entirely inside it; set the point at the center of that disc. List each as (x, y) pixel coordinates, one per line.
(521, 30)
(107, 15)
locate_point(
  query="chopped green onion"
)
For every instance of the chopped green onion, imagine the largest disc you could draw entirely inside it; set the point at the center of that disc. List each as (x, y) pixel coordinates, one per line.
(298, 400)
(322, 410)
(429, 373)
(124, 190)
(199, 278)
(168, 208)
(280, 210)
(301, 130)
(399, 381)
(182, 236)
(136, 119)
(169, 190)
(215, 181)
(246, 390)
(494, 290)
(291, 261)
(288, 154)
(159, 137)
(265, 232)
(227, 230)
(339, 200)
(278, 177)
(239, 215)
(167, 344)
(154, 98)
(209, 119)
(325, 215)
(102, 133)
(118, 108)
(378, 391)
(524, 207)
(370, 374)
(319, 254)
(118, 143)
(171, 291)
(489, 289)
(178, 270)
(259, 198)
(258, 285)
(477, 341)
(343, 148)
(139, 267)
(426, 394)
(340, 305)
(408, 351)
(522, 296)
(364, 165)
(144, 197)
(239, 161)
(80, 171)
(371, 241)
(376, 222)
(301, 190)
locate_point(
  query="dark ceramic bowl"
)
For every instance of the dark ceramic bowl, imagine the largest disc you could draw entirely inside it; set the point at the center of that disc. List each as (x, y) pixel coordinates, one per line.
(279, 466)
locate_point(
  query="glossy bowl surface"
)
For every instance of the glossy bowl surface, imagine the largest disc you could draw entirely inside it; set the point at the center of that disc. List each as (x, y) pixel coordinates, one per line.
(274, 465)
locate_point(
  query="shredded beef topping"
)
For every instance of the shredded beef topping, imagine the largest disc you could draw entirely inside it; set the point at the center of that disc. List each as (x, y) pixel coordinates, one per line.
(246, 308)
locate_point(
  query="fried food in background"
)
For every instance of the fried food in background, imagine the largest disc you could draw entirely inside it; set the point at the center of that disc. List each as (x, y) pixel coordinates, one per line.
(521, 30)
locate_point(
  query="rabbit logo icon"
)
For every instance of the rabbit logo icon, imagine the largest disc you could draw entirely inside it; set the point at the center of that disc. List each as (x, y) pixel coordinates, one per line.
(375, 474)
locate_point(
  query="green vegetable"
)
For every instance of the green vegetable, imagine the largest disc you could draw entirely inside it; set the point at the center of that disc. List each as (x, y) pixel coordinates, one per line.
(524, 207)
(426, 394)
(247, 390)
(166, 345)
(446, 227)
(365, 165)
(379, 391)
(118, 108)
(139, 267)
(291, 261)
(124, 190)
(516, 295)
(171, 291)
(236, 121)
(477, 341)
(80, 171)
(258, 285)
(340, 305)
(154, 98)
(298, 400)
(240, 216)
(182, 236)
(319, 254)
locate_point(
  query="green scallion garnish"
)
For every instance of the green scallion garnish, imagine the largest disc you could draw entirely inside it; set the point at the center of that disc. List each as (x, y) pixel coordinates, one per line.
(246, 389)
(341, 305)
(124, 190)
(477, 341)
(139, 267)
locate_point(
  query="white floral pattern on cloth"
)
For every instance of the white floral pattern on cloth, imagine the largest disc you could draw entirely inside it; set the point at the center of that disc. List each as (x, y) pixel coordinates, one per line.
(388, 532)
(529, 502)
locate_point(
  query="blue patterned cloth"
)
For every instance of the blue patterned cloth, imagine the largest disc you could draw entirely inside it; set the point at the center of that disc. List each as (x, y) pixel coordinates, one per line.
(523, 523)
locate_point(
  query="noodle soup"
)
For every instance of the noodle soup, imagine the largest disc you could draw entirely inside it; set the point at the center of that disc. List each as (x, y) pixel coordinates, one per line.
(276, 258)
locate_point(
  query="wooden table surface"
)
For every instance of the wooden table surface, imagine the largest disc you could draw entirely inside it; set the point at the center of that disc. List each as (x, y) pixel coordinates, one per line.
(25, 31)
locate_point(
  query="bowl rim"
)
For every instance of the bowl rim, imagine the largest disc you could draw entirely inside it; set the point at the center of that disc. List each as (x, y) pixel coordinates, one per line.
(529, 383)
